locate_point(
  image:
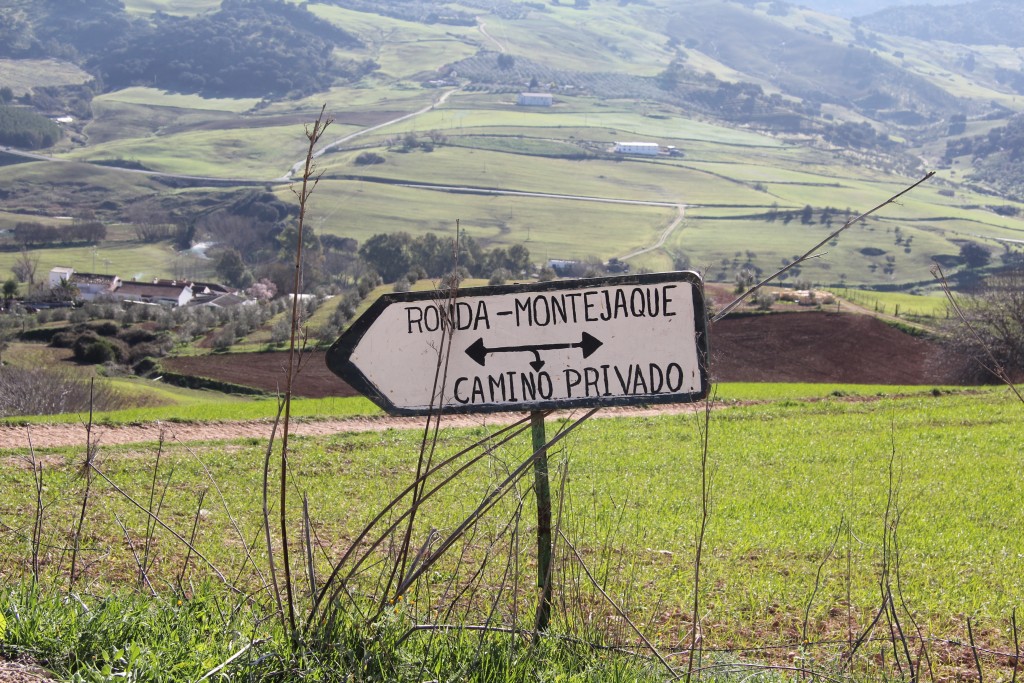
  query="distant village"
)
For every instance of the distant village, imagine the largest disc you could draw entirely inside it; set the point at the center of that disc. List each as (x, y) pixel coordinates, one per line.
(73, 286)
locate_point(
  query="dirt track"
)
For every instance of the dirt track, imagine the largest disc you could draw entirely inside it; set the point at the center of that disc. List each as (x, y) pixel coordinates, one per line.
(58, 435)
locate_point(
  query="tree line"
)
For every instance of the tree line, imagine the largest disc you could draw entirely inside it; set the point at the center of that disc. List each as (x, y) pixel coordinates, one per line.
(256, 238)
(30, 234)
(398, 254)
(25, 129)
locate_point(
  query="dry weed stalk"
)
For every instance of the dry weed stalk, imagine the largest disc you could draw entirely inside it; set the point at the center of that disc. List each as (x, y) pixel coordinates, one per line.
(90, 458)
(310, 179)
(704, 426)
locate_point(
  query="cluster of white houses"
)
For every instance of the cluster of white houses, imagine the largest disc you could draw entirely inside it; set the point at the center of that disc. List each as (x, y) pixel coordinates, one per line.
(93, 286)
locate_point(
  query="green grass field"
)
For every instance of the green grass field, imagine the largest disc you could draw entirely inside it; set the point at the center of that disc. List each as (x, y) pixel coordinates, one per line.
(159, 98)
(798, 513)
(898, 303)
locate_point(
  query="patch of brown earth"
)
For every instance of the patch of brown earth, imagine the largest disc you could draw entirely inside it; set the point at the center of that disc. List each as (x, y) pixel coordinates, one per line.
(816, 346)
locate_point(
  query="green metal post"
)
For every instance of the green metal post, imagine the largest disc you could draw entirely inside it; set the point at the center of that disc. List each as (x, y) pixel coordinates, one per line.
(543, 491)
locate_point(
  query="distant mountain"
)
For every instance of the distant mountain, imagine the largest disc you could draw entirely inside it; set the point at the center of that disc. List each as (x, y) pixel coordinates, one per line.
(856, 8)
(810, 65)
(248, 48)
(984, 22)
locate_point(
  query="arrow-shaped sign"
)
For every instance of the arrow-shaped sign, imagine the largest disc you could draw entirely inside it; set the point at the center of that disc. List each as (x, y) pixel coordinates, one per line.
(478, 352)
(634, 339)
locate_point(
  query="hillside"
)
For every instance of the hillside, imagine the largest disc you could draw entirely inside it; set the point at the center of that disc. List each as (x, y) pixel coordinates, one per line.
(982, 22)
(774, 123)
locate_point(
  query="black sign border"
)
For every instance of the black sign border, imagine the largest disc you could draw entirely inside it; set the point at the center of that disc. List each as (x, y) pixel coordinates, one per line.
(339, 354)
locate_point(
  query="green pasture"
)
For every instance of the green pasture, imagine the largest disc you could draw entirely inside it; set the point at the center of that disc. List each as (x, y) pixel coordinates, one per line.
(117, 121)
(891, 303)
(605, 38)
(237, 153)
(626, 179)
(619, 118)
(712, 242)
(516, 144)
(153, 97)
(194, 406)
(402, 48)
(22, 75)
(127, 260)
(350, 101)
(798, 512)
(41, 190)
(548, 227)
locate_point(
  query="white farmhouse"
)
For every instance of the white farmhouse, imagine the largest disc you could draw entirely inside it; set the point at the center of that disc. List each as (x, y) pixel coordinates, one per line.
(535, 99)
(166, 292)
(643, 148)
(58, 274)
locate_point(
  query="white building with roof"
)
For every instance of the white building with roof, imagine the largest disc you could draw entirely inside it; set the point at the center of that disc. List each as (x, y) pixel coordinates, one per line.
(535, 99)
(643, 148)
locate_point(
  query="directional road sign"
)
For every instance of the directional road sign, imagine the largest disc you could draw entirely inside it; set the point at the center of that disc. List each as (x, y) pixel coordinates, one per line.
(635, 339)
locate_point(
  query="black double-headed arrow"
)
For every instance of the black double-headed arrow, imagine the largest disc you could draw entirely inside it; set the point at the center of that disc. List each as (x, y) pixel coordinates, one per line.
(478, 352)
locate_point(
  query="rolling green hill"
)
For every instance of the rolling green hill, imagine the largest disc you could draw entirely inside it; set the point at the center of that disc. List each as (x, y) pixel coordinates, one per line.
(771, 111)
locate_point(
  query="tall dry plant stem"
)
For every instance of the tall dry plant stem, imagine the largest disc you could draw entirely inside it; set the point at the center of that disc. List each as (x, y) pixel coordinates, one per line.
(702, 526)
(90, 457)
(150, 524)
(490, 500)
(310, 179)
(974, 651)
(432, 427)
(812, 252)
(37, 516)
(622, 613)
(1016, 644)
(366, 544)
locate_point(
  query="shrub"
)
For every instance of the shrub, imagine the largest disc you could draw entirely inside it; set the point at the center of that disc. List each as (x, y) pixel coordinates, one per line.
(137, 335)
(145, 350)
(499, 277)
(225, 339)
(41, 391)
(99, 350)
(105, 328)
(64, 339)
(369, 158)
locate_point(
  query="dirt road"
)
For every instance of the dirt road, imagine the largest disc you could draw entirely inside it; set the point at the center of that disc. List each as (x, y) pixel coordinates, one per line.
(61, 435)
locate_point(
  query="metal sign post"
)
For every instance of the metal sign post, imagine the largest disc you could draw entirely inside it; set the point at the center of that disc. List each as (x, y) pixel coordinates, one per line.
(615, 341)
(542, 489)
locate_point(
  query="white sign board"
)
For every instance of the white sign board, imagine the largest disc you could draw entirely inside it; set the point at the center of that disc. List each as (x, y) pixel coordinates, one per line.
(604, 341)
